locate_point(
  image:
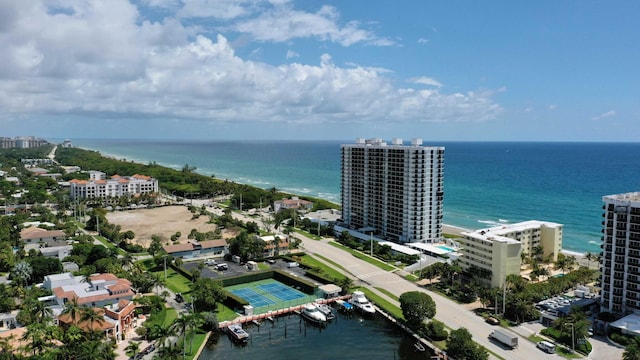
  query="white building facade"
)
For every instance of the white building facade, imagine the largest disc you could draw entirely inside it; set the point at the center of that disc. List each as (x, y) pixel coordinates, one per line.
(621, 253)
(116, 186)
(495, 251)
(394, 191)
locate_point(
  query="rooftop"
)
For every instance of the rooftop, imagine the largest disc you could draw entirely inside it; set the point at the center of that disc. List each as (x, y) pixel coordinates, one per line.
(626, 197)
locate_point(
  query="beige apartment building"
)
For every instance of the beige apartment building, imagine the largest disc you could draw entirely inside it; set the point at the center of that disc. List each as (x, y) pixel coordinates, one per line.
(496, 251)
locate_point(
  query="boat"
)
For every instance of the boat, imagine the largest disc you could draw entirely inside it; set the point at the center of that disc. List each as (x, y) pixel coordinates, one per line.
(344, 306)
(237, 333)
(360, 302)
(326, 310)
(313, 314)
(419, 346)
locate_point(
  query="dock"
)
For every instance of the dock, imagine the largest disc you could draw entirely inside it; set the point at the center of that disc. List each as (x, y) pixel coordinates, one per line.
(271, 315)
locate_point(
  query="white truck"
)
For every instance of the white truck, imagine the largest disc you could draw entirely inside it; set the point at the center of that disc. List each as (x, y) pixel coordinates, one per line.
(505, 337)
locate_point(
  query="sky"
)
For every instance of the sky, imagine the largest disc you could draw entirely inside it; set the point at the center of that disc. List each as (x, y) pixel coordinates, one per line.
(471, 70)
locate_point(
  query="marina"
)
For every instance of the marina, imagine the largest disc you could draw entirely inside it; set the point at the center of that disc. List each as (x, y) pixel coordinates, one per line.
(351, 335)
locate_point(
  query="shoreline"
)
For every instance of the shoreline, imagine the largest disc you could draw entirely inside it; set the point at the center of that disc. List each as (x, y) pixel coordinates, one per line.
(447, 228)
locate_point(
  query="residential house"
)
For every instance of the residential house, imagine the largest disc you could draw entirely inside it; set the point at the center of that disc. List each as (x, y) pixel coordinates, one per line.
(273, 248)
(293, 203)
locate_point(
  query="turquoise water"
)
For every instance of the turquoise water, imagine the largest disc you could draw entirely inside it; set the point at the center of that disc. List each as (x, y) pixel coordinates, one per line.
(485, 183)
(445, 248)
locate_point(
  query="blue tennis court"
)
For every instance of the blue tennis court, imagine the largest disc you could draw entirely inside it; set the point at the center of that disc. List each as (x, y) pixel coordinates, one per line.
(281, 291)
(255, 299)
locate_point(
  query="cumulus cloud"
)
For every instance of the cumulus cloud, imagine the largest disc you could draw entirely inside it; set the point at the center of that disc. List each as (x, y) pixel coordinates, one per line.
(101, 59)
(292, 54)
(605, 115)
(426, 81)
(423, 41)
(283, 23)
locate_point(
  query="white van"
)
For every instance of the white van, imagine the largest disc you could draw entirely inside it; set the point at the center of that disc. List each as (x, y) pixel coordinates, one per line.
(547, 347)
(292, 264)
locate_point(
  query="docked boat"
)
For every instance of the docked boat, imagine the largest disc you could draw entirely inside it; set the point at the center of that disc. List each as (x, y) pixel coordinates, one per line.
(326, 310)
(237, 333)
(313, 314)
(360, 302)
(344, 306)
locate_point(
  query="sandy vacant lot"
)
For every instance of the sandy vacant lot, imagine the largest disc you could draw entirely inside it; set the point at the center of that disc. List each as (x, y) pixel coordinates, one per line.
(163, 221)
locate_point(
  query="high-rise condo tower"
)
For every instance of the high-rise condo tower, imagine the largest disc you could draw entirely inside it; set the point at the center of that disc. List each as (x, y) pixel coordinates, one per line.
(393, 191)
(621, 253)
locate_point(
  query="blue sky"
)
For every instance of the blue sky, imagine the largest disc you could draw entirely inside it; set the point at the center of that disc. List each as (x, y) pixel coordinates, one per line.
(252, 69)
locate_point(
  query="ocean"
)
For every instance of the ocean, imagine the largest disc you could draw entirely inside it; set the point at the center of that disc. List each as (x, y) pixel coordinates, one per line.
(486, 183)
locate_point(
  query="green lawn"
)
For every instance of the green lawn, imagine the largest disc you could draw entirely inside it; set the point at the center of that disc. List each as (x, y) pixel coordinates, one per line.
(109, 245)
(388, 293)
(329, 271)
(225, 314)
(388, 307)
(163, 318)
(198, 339)
(373, 261)
(329, 261)
(175, 281)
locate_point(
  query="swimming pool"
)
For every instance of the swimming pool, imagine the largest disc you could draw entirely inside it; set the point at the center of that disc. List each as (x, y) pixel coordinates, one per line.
(445, 248)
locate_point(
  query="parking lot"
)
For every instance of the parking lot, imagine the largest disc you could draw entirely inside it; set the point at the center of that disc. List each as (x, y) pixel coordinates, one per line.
(235, 269)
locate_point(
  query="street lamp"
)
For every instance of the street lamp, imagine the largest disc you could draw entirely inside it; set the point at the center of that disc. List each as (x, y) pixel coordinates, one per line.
(164, 257)
(573, 343)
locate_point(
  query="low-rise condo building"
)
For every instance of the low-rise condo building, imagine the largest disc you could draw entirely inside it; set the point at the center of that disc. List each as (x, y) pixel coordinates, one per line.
(495, 252)
(116, 186)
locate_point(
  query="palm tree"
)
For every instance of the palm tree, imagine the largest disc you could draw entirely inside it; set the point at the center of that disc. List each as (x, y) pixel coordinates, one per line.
(632, 350)
(92, 316)
(73, 309)
(589, 256)
(171, 352)
(133, 348)
(162, 334)
(181, 325)
(126, 261)
(22, 272)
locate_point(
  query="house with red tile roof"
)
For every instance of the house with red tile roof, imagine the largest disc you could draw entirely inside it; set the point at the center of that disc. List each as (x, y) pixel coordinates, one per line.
(293, 203)
(97, 291)
(98, 186)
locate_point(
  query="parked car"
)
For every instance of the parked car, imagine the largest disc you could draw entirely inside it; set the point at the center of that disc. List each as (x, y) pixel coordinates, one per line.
(222, 267)
(179, 298)
(493, 321)
(293, 264)
(210, 262)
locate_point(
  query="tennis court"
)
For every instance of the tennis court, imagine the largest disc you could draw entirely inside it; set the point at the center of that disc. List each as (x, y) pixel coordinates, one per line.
(255, 299)
(269, 294)
(281, 291)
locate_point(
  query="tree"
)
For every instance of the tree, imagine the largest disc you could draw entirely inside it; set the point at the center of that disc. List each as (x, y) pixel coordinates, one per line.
(92, 316)
(632, 350)
(416, 307)
(207, 293)
(461, 347)
(22, 273)
(181, 326)
(132, 349)
(156, 245)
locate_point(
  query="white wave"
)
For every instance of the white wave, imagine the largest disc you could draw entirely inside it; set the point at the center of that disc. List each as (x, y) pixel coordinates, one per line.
(503, 220)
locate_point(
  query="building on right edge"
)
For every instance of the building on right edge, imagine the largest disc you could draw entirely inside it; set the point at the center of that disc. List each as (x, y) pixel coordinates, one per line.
(621, 254)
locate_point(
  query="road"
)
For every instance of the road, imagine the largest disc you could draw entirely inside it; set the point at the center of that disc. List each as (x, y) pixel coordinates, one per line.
(447, 311)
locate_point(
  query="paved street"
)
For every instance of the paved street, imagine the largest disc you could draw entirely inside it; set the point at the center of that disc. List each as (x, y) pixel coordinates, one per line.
(447, 311)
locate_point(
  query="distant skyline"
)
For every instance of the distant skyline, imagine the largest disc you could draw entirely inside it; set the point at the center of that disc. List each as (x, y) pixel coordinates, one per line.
(279, 69)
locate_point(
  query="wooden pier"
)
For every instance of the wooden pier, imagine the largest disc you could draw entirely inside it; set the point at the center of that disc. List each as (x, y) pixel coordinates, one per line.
(271, 315)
